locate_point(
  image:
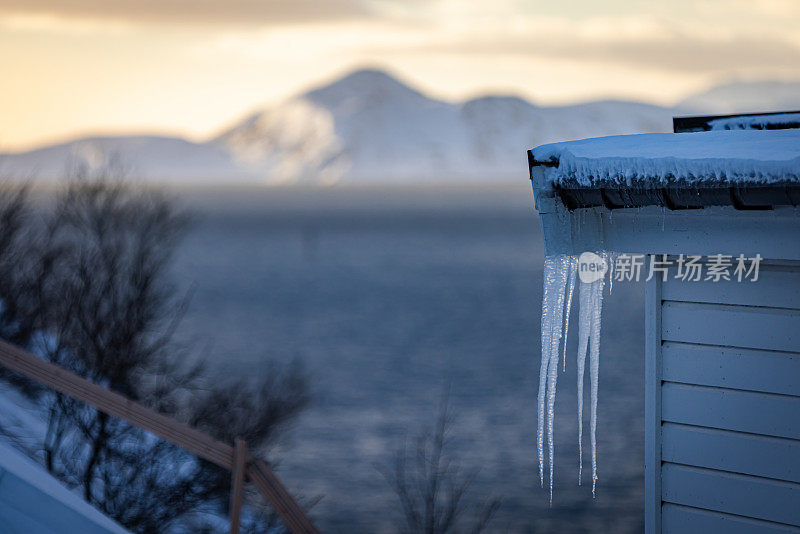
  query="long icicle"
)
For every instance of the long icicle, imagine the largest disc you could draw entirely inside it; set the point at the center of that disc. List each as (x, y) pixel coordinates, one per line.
(553, 296)
(594, 369)
(547, 299)
(584, 331)
(560, 282)
(560, 273)
(573, 271)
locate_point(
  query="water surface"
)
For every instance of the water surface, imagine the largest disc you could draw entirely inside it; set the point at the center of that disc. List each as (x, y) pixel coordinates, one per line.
(387, 295)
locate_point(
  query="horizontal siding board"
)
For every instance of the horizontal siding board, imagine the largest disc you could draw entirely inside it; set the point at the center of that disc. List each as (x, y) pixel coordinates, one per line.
(685, 520)
(735, 326)
(651, 230)
(770, 372)
(776, 288)
(748, 454)
(743, 495)
(729, 409)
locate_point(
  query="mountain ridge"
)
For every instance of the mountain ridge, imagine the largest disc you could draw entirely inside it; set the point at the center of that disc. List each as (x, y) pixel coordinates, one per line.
(369, 127)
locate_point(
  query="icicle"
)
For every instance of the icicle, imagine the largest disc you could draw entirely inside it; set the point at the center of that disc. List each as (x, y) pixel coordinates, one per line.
(560, 273)
(573, 271)
(552, 378)
(555, 281)
(612, 257)
(594, 368)
(584, 331)
(547, 298)
(550, 296)
(564, 266)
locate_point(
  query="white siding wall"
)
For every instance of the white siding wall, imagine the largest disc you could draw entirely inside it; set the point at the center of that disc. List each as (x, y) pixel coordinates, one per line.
(723, 404)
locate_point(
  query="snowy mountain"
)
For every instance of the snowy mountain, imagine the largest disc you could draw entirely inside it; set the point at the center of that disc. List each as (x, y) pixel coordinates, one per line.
(368, 127)
(170, 158)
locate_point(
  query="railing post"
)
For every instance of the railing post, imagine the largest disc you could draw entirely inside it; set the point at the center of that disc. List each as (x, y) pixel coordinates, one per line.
(237, 483)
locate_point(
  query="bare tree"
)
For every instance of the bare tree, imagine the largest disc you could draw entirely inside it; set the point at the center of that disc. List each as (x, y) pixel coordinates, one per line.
(15, 314)
(26, 260)
(431, 486)
(93, 294)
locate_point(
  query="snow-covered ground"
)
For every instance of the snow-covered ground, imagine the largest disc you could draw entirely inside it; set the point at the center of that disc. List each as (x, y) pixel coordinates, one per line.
(32, 500)
(370, 128)
(21, 422)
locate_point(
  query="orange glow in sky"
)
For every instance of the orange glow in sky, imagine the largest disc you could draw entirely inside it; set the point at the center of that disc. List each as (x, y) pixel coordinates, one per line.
(191, 67)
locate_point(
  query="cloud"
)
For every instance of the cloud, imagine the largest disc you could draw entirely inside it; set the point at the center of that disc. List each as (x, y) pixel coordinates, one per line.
(677, 53)
(634, 42)
(690, 53)
(237, 12)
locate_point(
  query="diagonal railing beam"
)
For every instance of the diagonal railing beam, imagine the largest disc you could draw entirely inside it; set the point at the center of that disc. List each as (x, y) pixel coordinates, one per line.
(263, 478)
(190, 439)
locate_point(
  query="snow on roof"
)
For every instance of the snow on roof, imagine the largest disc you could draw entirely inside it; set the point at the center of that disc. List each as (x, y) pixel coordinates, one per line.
(709, 158)
(31, 500)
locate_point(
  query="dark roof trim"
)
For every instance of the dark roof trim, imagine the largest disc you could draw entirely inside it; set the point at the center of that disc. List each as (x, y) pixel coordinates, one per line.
(532, 162)
(749, 197)
(703, 123)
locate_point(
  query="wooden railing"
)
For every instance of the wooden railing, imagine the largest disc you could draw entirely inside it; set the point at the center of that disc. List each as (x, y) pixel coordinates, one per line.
(234, 458)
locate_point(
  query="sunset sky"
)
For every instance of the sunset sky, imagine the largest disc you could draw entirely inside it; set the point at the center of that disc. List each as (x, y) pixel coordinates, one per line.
(189, 67)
